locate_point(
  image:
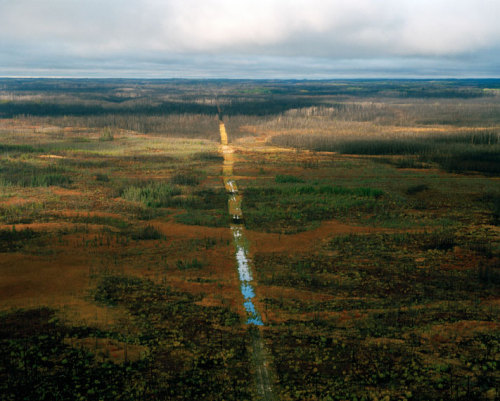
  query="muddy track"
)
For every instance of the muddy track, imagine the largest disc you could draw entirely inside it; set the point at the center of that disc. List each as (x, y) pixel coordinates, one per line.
(254, 320)
(262, 378)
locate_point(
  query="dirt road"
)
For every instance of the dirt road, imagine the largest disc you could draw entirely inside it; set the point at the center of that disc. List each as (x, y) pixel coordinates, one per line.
(247, 284)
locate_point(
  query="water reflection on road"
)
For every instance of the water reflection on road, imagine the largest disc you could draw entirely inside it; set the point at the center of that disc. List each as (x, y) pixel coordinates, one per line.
(262, 376)
(240, 241)
(245, 274)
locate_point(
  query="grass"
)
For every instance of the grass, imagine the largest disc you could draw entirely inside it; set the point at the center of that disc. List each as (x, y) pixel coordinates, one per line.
(403, 162)
(107, 135)
(204, 207)
(101, 220)
(298, 207)
(21, 214)
(214, 157)
(44, 361)
(399, 305)
(147, 233)
(287, 179)
(190, 179)
(99, 177)
(7, 148)
(415, 189)
(151, 194)
(31, 175)
(41, 365)
(13, 240)
(204, 218)
(390, 314)
(193, 264)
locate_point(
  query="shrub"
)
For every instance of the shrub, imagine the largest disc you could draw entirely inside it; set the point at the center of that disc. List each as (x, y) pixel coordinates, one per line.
(208, 157)
(11, 240)
(407, 162)
(496, 211)
(441, 240)
(101, 177)
(153, 194)
(47, 180)
(287, 179)
(415, 189)
(107, 135)
(147, 233)
(185, 179)
(189, 264)
(29, 175)
(203, 218)
(4, 148)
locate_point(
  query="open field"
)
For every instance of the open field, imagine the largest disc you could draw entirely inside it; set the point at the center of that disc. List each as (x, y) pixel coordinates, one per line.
(371, 213)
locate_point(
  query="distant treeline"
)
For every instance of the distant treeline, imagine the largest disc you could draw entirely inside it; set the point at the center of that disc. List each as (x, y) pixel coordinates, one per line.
(189, 107)
(477, 151)
(78, 97)
(46, 109)
(460, 88)
(76, 107)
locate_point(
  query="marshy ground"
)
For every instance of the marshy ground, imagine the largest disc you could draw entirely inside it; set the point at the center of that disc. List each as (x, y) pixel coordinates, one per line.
(372, 223)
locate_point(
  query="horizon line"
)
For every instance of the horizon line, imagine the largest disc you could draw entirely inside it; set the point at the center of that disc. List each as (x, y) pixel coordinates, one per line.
(395, 78)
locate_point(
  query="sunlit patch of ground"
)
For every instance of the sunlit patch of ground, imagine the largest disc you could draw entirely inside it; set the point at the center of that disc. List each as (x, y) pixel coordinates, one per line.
(307, 240)
(31, 280)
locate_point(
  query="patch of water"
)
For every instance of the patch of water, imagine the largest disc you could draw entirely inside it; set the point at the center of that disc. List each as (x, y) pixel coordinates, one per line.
(245, 275)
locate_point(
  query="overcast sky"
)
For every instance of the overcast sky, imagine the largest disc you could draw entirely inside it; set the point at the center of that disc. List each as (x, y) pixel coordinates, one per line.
(250, 38)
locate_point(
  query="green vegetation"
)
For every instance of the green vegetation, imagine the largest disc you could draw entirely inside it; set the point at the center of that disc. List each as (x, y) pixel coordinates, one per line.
(152, 194)
(189, 350)
(189, 264)
(107, 135)
(147, 233)
(206, 207)
(297, 207)
(191, 179)
(384, 332)
(208, 157)
(287, 179)
(32, 175)
(415, 189)
(21, 214)
(204, 218)
(37, 362)
(478, 151)
(380, 282)
(12, 240)
(5, 148)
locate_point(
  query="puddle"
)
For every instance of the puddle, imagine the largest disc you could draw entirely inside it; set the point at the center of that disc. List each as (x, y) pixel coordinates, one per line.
(245, 275)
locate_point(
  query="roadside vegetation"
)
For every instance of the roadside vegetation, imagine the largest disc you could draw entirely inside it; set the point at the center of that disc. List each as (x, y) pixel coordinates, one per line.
(404, 316)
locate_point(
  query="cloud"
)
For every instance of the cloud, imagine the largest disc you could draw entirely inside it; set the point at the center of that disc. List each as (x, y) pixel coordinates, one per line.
(34, 32)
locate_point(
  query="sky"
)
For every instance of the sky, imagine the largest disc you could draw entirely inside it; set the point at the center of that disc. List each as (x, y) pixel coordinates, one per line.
(300, 39)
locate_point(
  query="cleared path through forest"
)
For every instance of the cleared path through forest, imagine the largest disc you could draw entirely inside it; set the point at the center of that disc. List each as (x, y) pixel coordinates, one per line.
(247, 285)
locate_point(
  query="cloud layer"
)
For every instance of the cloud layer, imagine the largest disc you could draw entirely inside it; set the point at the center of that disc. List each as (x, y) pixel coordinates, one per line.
(323, 37)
